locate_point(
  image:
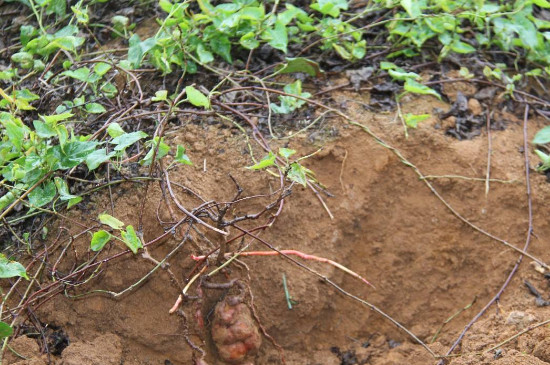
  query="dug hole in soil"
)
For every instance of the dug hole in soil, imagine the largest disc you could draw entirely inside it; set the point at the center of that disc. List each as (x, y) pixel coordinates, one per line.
(426, 265)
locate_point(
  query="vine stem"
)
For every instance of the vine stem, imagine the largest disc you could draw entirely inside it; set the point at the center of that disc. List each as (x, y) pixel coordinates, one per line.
(12, 205)
(300, 254)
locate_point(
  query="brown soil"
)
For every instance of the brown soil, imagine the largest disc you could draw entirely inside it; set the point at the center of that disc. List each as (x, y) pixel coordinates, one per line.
(388, 227)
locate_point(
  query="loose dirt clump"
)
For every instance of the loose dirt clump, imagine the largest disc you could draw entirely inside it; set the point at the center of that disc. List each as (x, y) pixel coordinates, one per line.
(105, 350)
(26, 348)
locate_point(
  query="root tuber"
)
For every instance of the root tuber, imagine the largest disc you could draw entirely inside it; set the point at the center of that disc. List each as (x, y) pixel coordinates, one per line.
(234, 331)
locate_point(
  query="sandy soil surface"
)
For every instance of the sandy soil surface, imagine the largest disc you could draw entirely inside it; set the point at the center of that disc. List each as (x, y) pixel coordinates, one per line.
(425, 263)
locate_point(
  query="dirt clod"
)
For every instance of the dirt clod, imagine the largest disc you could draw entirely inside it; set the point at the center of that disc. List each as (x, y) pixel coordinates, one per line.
(520, 319)
(234, 331)
(475, 107)
(542, 350)
(24, 346)
(105, 350)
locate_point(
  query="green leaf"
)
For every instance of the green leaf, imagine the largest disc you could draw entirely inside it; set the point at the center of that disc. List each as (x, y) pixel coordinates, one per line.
(249, 41)
(110, 221)
(399, 74)
(138, 49)
(417, 88)
(286, 152)
(297, 173)
(267, 161)
(542, 136)
(534, 72)
(342, 51)
(162, 151)
(108, 89)
(542, 3)
(278, 37)
(7, 74)
(461, 47)
(81, 74)
(80, 13)
(7, 199)
(221, 45)
(543, 156)
(97, 157)
(545, 161)
(114, 130)
(62, 134)
(95, 108)
(38, 65)
(120, 21)
(412, 7)
(72, 154)
(127, 139)
(26, 95)
(42, 195)
(165, 5)
(290, 14)
(197, 98)
(43, 130)
(55, 118)
(15, 129)
(359, 50)
(300, 64)
(99, 240)
(330, 7)
(526, 30)
(27, 32)
(290, 103)
(56, 7)
(134, 51)
(5, 330)
(181, 157)
(101, 68)
(384, 65)
(464, 72)
(205, 56)
(63, 189)
(131, 239)
(256, 13)
(24, 59)
(412, 120)
(10, 269)
(74, 201)
(161, 95)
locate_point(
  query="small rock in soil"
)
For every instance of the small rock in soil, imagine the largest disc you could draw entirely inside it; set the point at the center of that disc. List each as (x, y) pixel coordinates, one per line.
(356, 76)
(486, 93)
(520, 319)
